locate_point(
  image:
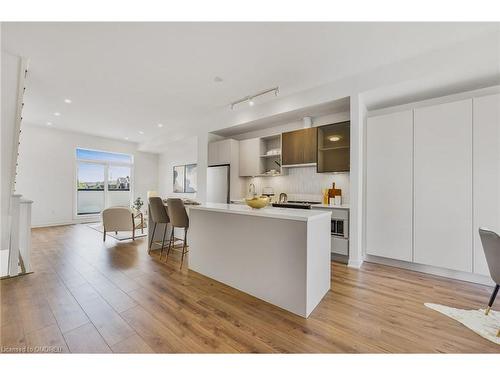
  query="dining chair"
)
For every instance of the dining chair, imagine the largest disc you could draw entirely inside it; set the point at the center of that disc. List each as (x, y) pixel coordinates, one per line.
(159, 215)
(491, 247)
(178, 219)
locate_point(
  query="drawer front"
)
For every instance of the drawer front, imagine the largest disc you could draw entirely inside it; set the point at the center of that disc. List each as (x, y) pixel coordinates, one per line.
(340, 246)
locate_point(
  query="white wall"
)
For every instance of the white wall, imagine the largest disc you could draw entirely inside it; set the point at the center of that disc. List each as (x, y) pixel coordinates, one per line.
(182, 152)
(47, 170)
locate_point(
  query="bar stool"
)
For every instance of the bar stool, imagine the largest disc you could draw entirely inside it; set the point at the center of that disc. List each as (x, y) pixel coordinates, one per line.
(491, 246)
(178, 219)
(159, 215)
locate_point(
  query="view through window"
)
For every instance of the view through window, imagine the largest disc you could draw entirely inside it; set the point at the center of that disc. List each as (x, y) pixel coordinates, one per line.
(104, 179)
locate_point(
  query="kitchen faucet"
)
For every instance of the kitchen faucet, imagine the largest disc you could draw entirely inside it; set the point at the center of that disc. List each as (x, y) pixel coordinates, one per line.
(251, 190)
(283, 198)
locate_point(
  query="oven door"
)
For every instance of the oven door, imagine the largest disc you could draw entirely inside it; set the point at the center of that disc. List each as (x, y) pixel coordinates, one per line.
(339, 228)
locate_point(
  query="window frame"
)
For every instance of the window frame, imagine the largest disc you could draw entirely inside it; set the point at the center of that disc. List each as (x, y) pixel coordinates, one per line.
(106, 164)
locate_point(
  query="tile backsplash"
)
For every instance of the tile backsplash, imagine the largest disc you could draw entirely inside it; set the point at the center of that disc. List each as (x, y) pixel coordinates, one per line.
(301, 184)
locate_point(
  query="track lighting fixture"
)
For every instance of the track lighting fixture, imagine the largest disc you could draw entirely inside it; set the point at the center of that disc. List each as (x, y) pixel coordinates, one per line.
(250, 99)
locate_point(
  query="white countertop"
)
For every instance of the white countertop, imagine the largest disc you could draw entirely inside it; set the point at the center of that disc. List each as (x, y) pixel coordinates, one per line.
(341, 207)
(271, 212)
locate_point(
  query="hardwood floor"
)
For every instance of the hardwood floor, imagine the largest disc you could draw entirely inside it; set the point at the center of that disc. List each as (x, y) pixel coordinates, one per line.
(89, 296)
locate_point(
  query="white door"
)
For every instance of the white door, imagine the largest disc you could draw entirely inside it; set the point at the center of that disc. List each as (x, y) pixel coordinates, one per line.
(443, 185)
(486, 172)
(218, 184)
(389, 189)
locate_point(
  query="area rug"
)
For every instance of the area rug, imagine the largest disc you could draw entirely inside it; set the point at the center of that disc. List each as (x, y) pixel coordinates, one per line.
(486, 326)
(120, 236)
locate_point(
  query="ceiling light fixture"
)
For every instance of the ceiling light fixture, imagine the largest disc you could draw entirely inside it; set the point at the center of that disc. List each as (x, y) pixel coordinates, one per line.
(141, 132)
(218, 79)
(126, 138)
(250, 99)
(67, 101)
(334, 138)
(160, 125)
(49, 123)
(57, 114)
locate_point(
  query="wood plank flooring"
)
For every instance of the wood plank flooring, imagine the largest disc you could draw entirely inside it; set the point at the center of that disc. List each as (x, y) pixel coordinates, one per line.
(87, 296)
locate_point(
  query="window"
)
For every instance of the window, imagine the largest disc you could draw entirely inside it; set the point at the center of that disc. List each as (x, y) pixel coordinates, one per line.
(104, 179)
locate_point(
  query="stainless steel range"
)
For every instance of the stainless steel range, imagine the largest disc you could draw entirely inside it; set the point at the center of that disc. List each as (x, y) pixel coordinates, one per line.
(305, 205)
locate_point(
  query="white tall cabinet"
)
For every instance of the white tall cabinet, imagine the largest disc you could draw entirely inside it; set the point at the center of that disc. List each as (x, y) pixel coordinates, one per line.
(486, 172)
(432, 180)
(389, 188)
(443, 185)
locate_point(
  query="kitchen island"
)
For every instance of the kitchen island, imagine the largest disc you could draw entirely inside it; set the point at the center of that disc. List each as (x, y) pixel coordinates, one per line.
(279, 255)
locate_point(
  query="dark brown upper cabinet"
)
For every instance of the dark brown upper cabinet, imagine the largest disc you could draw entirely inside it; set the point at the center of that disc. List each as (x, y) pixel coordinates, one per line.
(334, 147)
(299, 146)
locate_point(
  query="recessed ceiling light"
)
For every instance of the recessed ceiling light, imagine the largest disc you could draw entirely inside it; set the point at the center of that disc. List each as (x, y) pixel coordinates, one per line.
(141, 132)
(67, 101)
(334, 138)
(160, 125)
(251, 102)
(126, 138)
(49, 123)
(57, 114)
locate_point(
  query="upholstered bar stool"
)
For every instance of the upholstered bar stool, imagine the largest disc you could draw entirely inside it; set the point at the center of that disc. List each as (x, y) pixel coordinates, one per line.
(159, 215)
(178, 219)
(491, 247)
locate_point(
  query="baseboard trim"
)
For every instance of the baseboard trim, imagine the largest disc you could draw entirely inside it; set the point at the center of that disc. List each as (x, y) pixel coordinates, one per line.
(355, 263)
(65, 223)
(431, 270)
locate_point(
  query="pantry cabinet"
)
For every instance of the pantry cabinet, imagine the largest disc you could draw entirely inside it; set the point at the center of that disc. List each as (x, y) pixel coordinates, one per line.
(486, 189)
(389, 185)
(443, 185)
(432, 180)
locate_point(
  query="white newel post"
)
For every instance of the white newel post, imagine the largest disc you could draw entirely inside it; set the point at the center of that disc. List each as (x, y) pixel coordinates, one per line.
(14, 235)
(25, 233)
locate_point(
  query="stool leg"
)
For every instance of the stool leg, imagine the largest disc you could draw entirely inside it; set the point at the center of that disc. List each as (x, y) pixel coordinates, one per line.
(152, 237)
(492, 299)
(170, 243)
(184, 247)
(163, 241)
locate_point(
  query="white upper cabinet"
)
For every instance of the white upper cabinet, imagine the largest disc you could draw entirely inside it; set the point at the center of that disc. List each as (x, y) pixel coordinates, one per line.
(443, 185)
(219, 152)
(250, 150)
(389, 190)
(486, 172)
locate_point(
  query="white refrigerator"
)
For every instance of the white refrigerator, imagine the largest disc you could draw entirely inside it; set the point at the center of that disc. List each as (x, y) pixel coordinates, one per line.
(218, 184)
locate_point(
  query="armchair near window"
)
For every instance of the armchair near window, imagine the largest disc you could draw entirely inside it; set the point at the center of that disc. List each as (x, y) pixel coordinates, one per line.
(116, 219)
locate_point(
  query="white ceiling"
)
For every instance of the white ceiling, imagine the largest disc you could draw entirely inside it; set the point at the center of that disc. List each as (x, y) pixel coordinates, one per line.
(124, 78)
